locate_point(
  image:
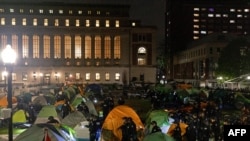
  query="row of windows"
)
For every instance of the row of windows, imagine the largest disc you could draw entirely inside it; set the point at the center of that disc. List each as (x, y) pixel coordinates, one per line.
(68, 76)
(54, 46)
(52, 11)
(213, 9)
(59, 22)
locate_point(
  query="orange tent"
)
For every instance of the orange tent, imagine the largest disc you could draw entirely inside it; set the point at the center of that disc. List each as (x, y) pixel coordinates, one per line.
(115, 119)
(4, 101)
(172, 127)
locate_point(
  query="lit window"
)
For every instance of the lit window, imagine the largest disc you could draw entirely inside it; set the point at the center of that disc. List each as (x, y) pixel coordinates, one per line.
(77, 22)
(13, 21)
(98, 12)
(218, 15)
(196, 26)
(2, 21)
(41, 11)
(89, 12)
(87, 76)
(117, 23)
(133, 23)
(107, 76)
(117, 47)
(78, 45)
(117, 76)
(203, 32)
(210, 15)
(51, 11)
(196, 15)
(195, 32)
(87, 23)
(107, 23)
(246, 10)
(1, 10)
(141, 53)
(141, 61)
(107, 47)
(67, 43)
(25, 45)
(87, 47)
(57, 47)
(196, 20)
(46, 22)
(195, 37)
(21, 10)
(70, 12)
(232, 10)
(56, 22)
(97, 76)
(98, 47)
(46, 44)
(97, 23)
(3, 40)
(78, 76)
(60, 11)
(12, 10)
(239, 16)
(35, 22)
(196, 9)
(24, 21)
(225, 15)
(232, 21)
(35, 46)
(67, 22)
(31, 10)
(14, 42)
(80, 12)
(239, 10)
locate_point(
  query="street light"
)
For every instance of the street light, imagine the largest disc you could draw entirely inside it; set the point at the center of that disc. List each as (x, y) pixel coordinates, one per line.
(9, 58)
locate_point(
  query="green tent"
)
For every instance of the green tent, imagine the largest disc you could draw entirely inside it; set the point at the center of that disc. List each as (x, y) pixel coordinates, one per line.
(45, 112)
(19, 117)
(73, 119)
(160, 116)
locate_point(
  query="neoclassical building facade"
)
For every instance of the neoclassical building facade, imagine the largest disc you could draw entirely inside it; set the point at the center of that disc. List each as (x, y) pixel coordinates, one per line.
(58, 42)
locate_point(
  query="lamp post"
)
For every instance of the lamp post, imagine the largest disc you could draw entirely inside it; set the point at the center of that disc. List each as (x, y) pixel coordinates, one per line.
(9, 58)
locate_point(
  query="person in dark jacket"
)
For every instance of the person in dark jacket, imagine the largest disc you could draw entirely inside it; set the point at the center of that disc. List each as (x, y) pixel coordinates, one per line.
(155, 127)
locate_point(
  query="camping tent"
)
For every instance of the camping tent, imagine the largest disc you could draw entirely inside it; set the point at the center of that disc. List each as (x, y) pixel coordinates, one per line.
(115, 119)
(41, 100)
(4, 101)
(39, 132)
(19, 117)
(45, 112)
(78, 99)
(73, 119)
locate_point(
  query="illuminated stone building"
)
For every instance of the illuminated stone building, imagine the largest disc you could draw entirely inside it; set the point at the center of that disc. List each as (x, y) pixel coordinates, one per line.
(60, 42)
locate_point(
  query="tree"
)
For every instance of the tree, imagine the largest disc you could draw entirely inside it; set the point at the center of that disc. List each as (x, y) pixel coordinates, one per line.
(234, 59)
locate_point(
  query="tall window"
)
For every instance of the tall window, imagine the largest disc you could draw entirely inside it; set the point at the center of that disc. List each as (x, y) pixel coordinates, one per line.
(2, 21)
(35, 46)
(24, 21)
(67, 22)
(97, 47)
(107, 47)
(87, 76)
(117, 76)
(46, 22)
(107, 23)
(67, 46)
(97, 23)
(107, 76)
(117, 23)
(117, 48)
(3, 41)
(13, 21)
(25, 46)
(78, 47)
(97, 76)
(57, 47)
(14, 42)
(77, 22)
(46, 43)
(87, 23)
(141, 56)
(35, 22)
(87, 47)
(56, 22)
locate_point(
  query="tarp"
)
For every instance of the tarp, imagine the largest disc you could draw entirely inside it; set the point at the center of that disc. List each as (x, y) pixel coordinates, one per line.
(37, 133)
(4, 101)
(73, 119)
(45, 112)
(158, 136)
(115, 119)
(19, 117)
